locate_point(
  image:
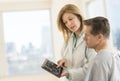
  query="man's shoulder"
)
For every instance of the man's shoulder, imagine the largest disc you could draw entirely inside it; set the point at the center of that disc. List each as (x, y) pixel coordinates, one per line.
(104, 54)
(104, 57)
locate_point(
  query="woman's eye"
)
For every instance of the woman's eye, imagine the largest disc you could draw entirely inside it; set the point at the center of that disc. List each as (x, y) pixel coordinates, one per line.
(70, 19)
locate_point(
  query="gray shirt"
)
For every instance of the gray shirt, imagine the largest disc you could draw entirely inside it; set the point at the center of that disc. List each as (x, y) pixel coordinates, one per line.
(105, 67)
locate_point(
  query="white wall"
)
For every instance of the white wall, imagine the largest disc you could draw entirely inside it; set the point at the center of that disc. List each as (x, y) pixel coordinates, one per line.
(2, 54)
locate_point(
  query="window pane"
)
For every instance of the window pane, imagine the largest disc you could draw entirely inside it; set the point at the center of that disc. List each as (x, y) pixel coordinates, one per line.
(93, 10)
(113, 11)
(27, 40)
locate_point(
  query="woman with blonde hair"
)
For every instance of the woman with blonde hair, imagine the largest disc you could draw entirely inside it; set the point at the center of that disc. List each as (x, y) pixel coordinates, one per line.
(75, 56)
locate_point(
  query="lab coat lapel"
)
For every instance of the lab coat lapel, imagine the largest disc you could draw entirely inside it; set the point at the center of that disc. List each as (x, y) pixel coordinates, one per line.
(70, 45)
(80, 41)
(68, 49)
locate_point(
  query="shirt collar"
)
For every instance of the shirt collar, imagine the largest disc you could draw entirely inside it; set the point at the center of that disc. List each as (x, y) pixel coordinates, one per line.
(73, 35)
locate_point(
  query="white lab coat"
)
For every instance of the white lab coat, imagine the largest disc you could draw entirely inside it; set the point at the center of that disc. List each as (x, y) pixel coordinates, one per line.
(76, 61)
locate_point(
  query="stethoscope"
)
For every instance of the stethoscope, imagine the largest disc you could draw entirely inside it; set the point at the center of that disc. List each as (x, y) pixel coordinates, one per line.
(86, 53)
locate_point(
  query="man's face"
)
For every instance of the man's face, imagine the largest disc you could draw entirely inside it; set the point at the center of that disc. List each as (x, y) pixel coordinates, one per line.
(91, 40)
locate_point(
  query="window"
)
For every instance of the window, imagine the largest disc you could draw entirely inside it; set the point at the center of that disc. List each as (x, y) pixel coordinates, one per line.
(28, 42)
(94, 8)
(113, 11)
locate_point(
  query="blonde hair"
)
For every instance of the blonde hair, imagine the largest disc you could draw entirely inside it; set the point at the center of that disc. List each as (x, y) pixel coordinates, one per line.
(69, 8)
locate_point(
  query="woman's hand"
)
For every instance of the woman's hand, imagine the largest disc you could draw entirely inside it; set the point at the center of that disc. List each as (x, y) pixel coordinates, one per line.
(64, 73)
(62, 63)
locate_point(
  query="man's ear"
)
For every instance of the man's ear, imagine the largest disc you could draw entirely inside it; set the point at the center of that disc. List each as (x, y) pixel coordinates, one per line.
(100, 36)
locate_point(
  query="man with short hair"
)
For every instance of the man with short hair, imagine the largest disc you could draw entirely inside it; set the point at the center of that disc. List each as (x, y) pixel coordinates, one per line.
(106, 65)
